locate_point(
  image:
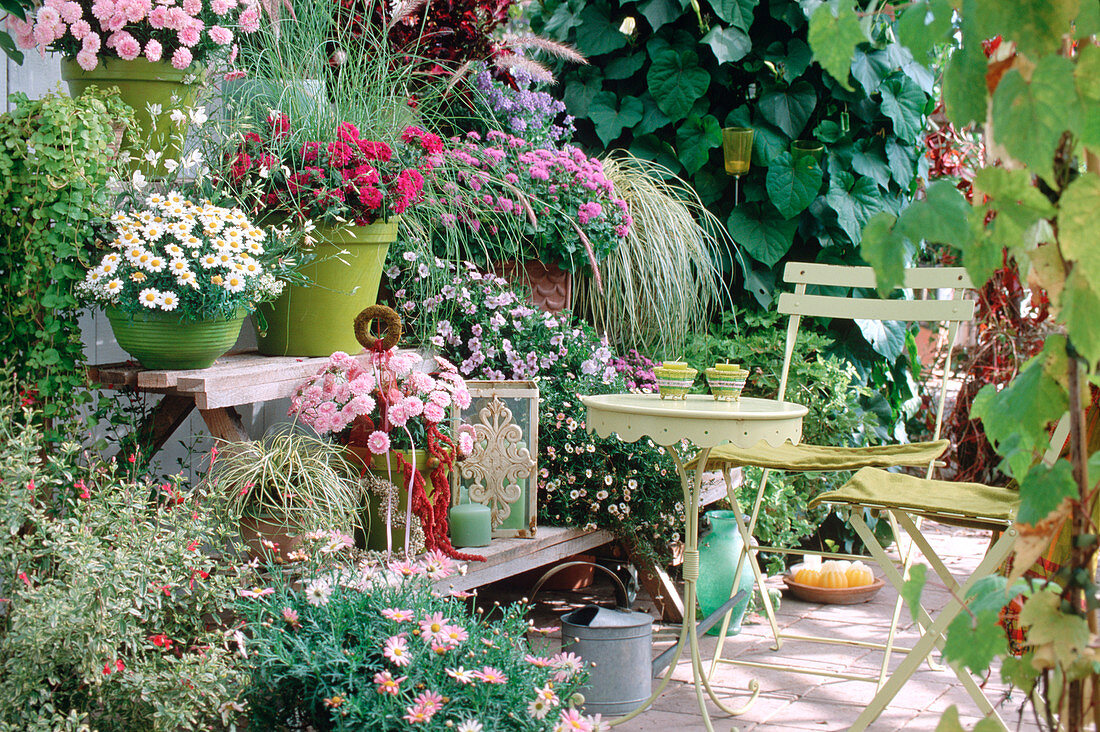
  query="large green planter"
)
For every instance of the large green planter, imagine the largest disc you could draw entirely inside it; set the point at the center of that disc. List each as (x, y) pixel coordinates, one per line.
(718, 554)
(160, 340)
(140, 83)
(346, 271)
(375, 536)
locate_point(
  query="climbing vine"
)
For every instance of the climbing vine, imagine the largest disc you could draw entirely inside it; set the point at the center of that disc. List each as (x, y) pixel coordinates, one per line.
(55, 158)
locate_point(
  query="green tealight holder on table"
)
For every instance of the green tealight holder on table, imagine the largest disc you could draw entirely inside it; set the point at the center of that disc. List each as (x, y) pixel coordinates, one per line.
(726, 381)
(674, 379)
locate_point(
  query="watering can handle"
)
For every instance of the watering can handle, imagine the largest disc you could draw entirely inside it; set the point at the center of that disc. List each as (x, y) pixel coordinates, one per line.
(621, 601)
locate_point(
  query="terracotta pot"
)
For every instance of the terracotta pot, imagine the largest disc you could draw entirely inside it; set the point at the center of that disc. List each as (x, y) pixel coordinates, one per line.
(255, 530)
(551, 286)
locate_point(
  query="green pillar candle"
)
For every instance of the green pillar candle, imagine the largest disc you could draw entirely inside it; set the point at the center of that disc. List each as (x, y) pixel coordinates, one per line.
(676, 365)
(471, 525)
(727, 367)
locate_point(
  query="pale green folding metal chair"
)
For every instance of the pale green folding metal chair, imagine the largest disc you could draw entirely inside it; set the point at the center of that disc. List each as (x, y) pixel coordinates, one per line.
(951, 310)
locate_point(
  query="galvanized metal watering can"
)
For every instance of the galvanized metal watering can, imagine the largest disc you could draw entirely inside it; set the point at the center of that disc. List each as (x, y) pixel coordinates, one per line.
(616, 643)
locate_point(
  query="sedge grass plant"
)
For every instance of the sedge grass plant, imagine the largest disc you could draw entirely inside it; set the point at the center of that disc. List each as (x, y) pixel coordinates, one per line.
(663, 281)
(290, 479)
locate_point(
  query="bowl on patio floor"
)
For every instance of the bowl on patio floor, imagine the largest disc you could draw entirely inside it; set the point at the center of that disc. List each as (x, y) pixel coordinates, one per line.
(834, 595)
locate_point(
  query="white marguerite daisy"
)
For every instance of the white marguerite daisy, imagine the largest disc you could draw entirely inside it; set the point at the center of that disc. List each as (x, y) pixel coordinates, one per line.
(168, 300)
(113, 287)
(155, 264)
(234, 283)
(149, 297)
(188, 278)
(208, 260)
(178, 266)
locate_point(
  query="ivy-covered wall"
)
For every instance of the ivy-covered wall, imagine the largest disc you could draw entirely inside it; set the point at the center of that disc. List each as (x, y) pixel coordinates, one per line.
(666, 75)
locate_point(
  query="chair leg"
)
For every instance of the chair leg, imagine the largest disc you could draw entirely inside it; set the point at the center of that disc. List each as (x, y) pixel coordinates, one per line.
(932, 637)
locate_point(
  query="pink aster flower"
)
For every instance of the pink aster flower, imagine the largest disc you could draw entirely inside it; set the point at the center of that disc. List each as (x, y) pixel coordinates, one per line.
(126, 46)
(153, 50)
(290, 616)
(461, 675)
(385, 683)
(221, 36)
(417, 715)
(396, 649)
(539, 661)
(400, 616)
(87, 60)
(432, 626)
(434, 413)
(378, 442)
(189, 36)
(431, 701)
(572, 720)
(491, 675)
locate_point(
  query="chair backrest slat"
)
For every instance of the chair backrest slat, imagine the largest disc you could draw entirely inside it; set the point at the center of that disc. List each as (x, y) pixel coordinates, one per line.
(919, 278)
(876, 309)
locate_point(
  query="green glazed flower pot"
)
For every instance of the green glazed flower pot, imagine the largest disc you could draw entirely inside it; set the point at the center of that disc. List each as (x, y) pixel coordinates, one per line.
(373, 519)
(139, 83)
(718, 554)
(346, 271)
(160, 340)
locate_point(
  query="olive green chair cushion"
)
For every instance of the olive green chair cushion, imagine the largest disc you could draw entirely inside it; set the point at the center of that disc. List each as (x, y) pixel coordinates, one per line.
(958, 504)
(803, 458)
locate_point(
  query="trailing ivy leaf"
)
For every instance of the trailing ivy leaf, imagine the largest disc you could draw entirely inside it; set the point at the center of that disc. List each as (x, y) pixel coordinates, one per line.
(964, 89)
(739, 117)
(761, 232)
(923, 25)
(579, 92)
(974, 642)
(886, 250)
(1018, 203)
(624, 67)
(1080, 305)
(828, 131)
(9, 47)
(1016, 417)
(660, 12)
(695, 138)
(869, 159)
(833, 37)
(1043, 488)
(676, 80)
(793, 184)
(652, 117)
(1066, 634)
(854, 201)
(728, 44)
(903, 102)
(1030, 117)
(1086, 76)
(1019, 672)
(597, 33)
(711, 184)
(737, 13)
(1037, 28)
(941, 218)
(870, 69)
(654, 148)
(565, 18)
(1077, 224)
(900, 159)
(789, 109)
(610, 121)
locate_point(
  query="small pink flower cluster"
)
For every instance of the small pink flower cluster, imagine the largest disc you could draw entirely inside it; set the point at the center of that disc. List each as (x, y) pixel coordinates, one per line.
(384, 393)
(183, 33)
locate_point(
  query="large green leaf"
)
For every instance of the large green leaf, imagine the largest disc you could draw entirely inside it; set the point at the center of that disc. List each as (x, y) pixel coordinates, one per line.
(695, 138)
(870, 160)
(660, 12)
(597, 33)
(900, 158)
(1043, 488)
(903, 102)
(964, 89)
(832, 38)
(761, 232)
(941, 218)
(798, 59)
(652, 116)
(580, 91)
(610, 121)
(793, 184)
(1077, 224)
(623, 67)
(1080, 306)
(854, 201)
(924, 24)
(676, 81)
(1018, 203)
(728, 44)
(871, 68)
(887, 337)
(737, 13)
(651, 147)
(886, 250)
(1086, 76)
(1036, 27)
(566, 17)
(789, 109)
(1029, 118)
(767, 143)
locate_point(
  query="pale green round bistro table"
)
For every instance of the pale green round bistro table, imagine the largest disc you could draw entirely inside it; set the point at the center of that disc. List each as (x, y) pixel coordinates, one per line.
(705, 424)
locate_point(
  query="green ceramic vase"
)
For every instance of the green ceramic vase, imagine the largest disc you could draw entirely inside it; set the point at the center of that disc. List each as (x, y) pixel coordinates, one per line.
(140, 83)
(160, 340)
(345, 274)
(718, 554)
(375, 535)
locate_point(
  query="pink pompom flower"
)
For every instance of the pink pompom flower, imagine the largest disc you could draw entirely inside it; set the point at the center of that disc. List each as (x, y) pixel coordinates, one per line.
(378, 442)
(182, 58)
(221, 36)
(153, 50)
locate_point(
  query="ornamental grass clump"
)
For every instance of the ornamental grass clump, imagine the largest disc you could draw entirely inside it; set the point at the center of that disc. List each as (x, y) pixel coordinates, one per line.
(198, 260)
(341, 646)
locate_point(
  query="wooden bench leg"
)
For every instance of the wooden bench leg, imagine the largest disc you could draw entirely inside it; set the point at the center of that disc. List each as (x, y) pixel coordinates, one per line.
(158, 426)
(225, 424)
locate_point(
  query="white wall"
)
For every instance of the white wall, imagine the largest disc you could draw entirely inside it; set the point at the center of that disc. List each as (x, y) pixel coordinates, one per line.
(40, 75)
